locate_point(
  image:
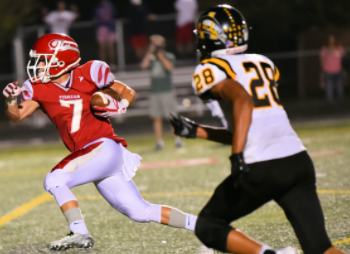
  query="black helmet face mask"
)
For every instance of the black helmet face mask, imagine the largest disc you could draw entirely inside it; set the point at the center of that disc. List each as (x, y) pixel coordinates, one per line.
(221, 30)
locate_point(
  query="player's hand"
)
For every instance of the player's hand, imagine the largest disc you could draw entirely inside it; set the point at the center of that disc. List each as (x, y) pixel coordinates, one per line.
(115, 108)
(238, 167)
(11, 91)
(183, 126)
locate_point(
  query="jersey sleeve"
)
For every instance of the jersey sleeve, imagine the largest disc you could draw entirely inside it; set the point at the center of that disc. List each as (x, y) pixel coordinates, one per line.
(28, 94)
(98, 72)
(209, 73)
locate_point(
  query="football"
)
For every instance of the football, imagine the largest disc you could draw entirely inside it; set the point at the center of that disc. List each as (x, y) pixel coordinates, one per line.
(98, 99)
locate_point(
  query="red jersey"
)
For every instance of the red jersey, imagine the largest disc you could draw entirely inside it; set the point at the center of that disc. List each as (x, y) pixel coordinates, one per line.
(68, 105)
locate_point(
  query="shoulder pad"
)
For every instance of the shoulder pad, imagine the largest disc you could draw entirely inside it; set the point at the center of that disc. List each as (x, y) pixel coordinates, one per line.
(97, 72)
(222, 64)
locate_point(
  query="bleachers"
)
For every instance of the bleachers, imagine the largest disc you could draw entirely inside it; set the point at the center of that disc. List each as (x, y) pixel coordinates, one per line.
(140, 82)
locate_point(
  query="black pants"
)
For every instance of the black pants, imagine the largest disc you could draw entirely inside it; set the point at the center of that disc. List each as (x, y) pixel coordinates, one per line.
(290, 181)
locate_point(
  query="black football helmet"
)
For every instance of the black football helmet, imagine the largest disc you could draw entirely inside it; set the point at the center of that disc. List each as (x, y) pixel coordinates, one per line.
(221, 30)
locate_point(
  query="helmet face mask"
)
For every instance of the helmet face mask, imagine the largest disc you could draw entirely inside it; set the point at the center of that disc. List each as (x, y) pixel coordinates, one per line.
(52, 56)
(36, 71)
(221, 30)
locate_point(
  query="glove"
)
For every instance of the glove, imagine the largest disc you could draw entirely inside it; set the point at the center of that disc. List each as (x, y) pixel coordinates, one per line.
(183, 126)
(238, 167)
(12, 90)
(114, 108)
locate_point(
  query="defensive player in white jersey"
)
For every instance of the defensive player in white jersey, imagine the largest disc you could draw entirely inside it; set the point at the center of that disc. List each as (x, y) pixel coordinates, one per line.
(62, 88)
(268, 161)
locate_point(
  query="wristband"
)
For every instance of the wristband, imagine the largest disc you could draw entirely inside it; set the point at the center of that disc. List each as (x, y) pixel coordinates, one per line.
(11, 101)
(125, 102)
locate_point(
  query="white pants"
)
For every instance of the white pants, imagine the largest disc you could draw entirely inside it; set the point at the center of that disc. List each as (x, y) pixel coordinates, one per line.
(110, 166)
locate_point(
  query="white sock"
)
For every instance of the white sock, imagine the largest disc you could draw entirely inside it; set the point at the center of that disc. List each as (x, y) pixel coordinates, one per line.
(190, 222)
(78, 226)
(265, 248)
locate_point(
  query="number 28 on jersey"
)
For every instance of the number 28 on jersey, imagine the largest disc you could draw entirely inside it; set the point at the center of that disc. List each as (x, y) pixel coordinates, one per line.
(257, 77)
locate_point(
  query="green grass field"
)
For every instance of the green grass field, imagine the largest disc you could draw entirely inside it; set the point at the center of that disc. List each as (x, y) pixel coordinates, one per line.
(29, 229)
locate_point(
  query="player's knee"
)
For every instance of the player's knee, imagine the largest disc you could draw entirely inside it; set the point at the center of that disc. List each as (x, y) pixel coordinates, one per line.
(212, 234)
(202, 232)
(55, 178)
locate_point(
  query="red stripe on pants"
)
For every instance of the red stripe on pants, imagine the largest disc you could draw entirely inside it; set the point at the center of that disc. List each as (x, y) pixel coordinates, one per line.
(75, 155)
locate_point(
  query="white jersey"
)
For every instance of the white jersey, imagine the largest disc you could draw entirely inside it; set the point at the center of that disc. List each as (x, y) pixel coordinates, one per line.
(270, 135)
(60, 21)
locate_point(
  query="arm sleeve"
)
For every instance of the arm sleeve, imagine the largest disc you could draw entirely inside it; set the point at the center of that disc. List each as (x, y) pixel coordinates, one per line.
(28, 94)
(98, 72)
(209, 73)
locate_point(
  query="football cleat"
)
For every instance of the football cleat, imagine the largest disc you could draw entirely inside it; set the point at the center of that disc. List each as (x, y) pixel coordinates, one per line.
(205, 250)
(72, 240)
(288, 250)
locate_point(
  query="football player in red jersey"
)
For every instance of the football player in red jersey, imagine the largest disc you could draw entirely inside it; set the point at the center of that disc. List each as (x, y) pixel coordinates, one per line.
(62, 88)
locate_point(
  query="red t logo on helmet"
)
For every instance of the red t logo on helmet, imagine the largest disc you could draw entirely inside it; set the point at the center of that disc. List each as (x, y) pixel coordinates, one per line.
(65, 45)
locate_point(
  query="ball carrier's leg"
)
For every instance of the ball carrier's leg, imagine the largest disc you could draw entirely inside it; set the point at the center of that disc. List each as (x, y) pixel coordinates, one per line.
(175, 218)
(76, 169)
(124, 196)
(70, 209)
(79, 236)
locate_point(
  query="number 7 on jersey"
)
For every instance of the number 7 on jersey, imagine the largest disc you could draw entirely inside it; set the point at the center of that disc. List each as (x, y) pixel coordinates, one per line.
(77, 111)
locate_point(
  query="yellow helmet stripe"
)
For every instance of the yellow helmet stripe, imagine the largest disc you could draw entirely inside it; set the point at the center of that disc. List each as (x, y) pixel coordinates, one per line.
(222, 65)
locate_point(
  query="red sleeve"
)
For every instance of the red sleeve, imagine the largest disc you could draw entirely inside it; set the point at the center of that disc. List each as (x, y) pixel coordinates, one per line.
(98, 72)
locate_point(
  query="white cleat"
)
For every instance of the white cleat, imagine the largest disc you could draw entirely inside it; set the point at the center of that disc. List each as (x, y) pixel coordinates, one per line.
(205, 250)
(288, 250)
(72, 240)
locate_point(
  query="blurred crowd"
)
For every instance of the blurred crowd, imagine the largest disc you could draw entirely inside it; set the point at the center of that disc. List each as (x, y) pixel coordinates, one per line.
(105, 15)
(149, 49)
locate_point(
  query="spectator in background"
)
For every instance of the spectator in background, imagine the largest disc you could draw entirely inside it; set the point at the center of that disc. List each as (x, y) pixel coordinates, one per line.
(186, 15)
(331, 62)
(138, 14)
(106, 34)
(162, 97)
(61, 19)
